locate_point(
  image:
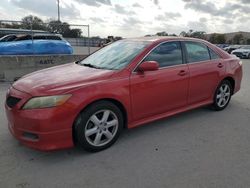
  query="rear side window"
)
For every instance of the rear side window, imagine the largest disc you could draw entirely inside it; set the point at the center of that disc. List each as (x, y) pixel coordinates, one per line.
(166, 54)
(53, 38)
(213, 55)
(45, 37)
(39, 37)
(197, 52)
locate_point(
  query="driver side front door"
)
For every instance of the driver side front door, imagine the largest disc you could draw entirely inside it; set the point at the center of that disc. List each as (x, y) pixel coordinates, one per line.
(163, 90)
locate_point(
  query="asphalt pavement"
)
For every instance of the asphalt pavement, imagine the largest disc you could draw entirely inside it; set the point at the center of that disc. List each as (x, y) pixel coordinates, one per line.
(196, 149)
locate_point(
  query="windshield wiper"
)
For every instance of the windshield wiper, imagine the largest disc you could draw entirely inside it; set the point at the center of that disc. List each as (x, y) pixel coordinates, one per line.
(91, 66)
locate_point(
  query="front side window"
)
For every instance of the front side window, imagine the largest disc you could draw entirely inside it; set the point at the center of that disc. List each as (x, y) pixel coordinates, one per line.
(166, 54)
(197, 52)
(23, 37)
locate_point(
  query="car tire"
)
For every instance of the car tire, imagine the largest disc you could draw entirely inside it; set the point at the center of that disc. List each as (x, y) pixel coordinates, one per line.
(98, 126)
(222, 95)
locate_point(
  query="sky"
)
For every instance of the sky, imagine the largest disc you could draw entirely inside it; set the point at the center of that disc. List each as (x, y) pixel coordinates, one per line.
(135, 18)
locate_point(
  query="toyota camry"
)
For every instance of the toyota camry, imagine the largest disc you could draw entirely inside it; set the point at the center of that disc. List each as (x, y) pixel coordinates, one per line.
(123, 85)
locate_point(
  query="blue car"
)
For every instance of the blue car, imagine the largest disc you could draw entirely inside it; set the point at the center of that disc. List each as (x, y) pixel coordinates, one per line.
(26, 45)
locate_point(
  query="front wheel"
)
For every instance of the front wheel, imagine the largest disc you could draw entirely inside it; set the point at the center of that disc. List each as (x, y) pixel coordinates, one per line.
(222, 95)
(98, 126)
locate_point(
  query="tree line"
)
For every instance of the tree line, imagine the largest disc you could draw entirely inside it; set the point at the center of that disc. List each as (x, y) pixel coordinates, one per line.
(55, 26)
(36, 23)
(214, 38)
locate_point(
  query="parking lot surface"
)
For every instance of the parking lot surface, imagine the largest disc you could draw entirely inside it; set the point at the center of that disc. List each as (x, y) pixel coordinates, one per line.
(200, 148)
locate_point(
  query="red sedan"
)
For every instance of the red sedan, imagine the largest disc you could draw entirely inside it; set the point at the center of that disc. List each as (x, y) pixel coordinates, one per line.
(126, 84)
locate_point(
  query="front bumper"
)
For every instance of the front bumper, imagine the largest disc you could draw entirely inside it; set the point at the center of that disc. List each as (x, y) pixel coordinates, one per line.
(43, 129)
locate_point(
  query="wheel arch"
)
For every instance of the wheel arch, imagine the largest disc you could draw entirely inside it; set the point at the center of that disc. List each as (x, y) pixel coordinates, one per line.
(232, 82)
(119, 105)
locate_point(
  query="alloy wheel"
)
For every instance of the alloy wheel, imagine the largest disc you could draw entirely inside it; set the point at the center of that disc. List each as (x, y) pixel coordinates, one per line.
(223, 95)
(101, 128)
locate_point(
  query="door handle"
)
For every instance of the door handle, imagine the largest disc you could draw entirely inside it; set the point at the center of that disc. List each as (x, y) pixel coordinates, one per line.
(182, 73)
(220, 65)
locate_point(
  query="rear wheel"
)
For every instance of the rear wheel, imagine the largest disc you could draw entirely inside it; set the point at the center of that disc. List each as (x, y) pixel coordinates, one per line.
(222, 95)
(98, 126)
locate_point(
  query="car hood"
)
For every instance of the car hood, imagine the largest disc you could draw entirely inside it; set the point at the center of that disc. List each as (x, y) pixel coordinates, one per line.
(60, 79)
(241, 50)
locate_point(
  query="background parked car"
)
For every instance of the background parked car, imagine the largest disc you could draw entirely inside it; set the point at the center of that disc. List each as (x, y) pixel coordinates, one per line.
(222, 46)
(242, 52)
(8, 38)
(230, 48)
(34, 44)
(35, 36)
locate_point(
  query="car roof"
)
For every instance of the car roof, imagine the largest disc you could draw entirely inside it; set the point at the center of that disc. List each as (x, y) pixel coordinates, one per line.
(47, 34)
(163, 38)
(35, 34)
(158, 39)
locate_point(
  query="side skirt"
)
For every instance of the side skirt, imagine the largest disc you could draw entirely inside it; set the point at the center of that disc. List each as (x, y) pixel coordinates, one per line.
(168, 114)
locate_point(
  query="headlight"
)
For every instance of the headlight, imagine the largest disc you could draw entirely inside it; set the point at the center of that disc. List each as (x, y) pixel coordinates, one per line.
(46, 102)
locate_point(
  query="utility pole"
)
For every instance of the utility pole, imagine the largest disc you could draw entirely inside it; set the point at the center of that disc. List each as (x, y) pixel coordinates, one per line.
(58, 10)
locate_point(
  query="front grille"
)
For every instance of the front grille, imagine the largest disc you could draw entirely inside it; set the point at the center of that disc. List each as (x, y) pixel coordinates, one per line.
(12, 101)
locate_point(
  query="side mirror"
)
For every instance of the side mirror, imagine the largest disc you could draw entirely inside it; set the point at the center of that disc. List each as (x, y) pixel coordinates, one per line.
(148, 66)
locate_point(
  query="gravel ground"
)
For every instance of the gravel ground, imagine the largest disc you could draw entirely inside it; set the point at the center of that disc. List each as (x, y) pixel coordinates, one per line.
(199, 148)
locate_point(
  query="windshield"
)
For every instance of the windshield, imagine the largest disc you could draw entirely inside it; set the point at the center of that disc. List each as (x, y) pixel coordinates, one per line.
(115, 56)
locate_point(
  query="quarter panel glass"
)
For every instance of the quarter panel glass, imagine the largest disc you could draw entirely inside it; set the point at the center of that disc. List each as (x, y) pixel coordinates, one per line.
(213, 55)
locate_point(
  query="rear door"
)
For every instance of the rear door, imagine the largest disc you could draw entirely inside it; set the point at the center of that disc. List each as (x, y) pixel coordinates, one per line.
(163, 90)
(206, 69)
